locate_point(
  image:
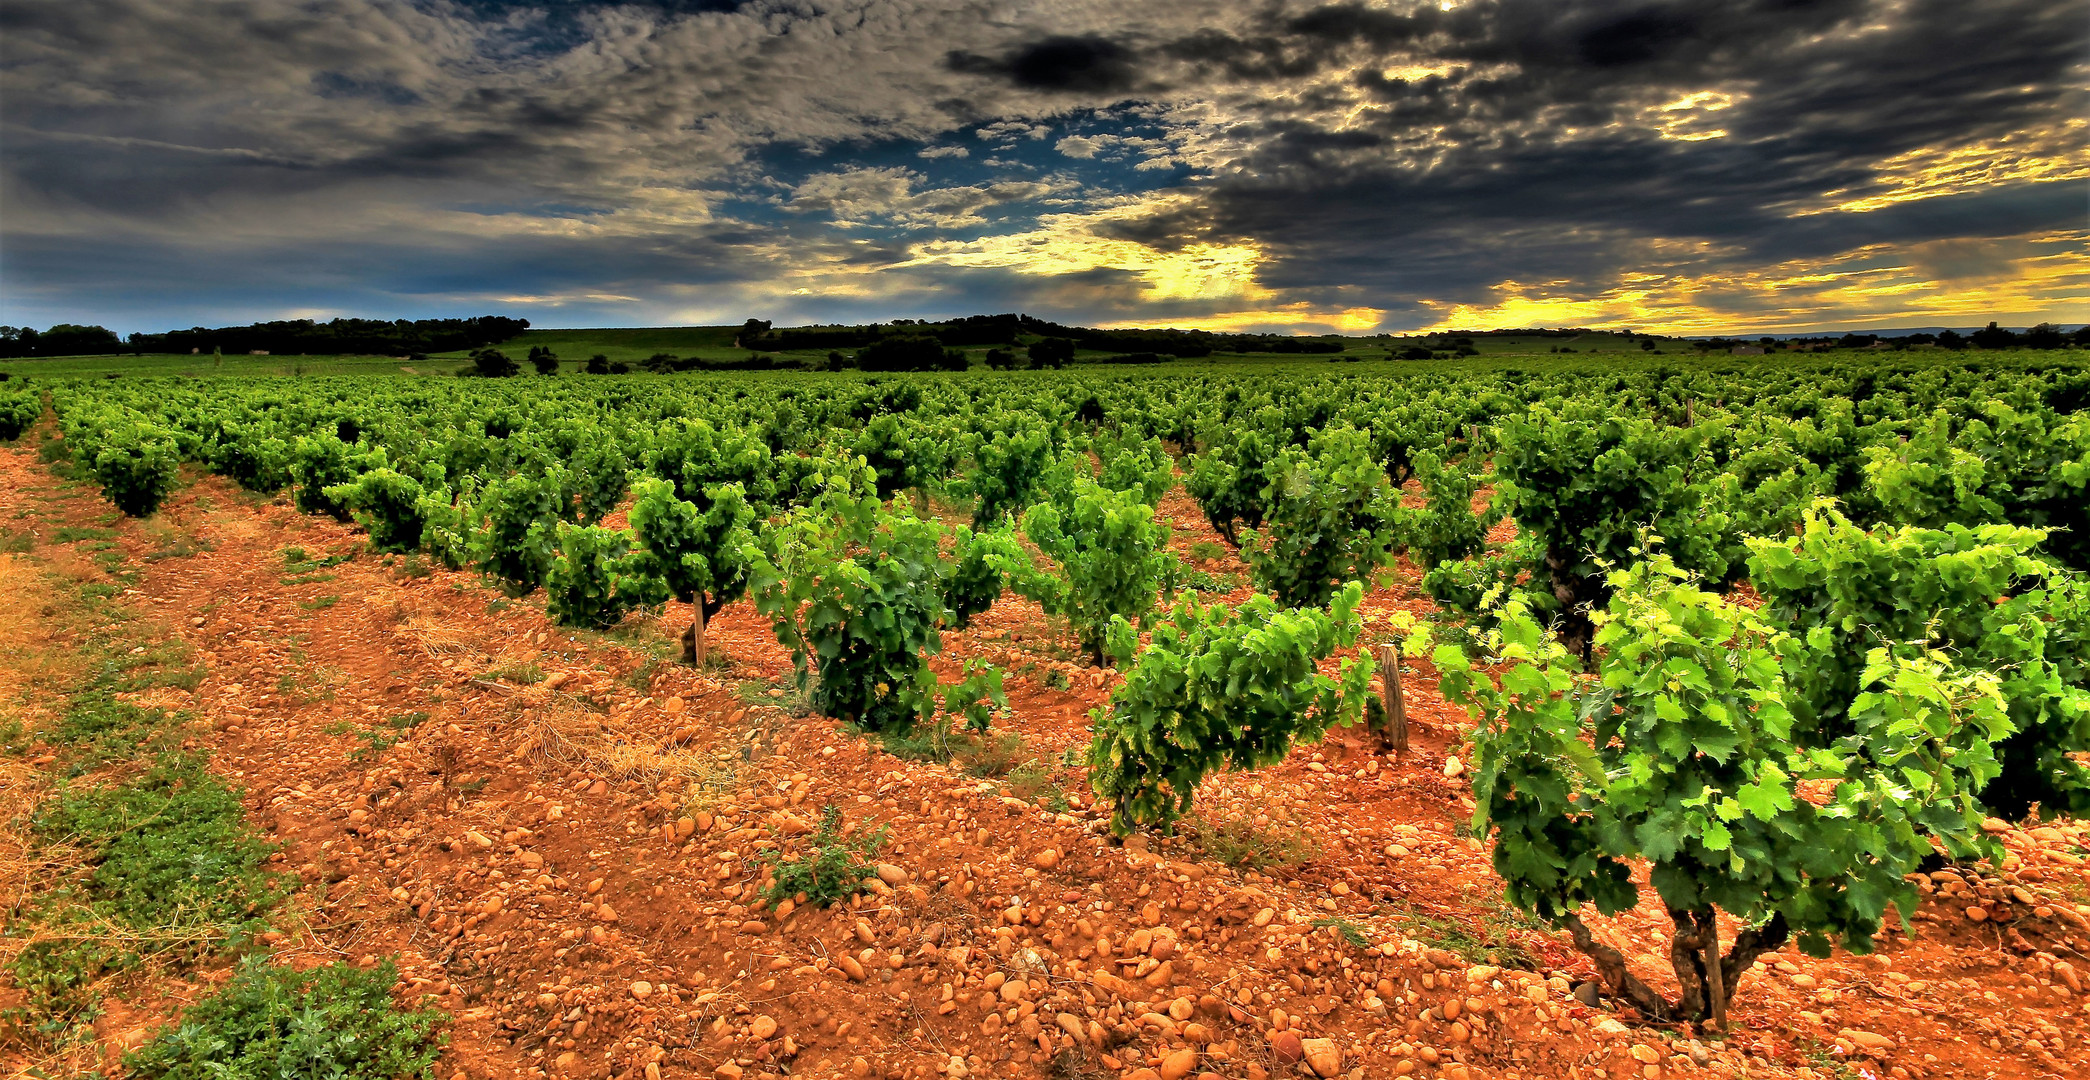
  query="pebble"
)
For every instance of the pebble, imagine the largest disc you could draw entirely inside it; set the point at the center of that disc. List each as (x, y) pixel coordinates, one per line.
(1867, 1040)
(642, 990)
(1178, 1065)
(1286, 1045)
(763, 1027)
(891, 875)
(1323, 1056)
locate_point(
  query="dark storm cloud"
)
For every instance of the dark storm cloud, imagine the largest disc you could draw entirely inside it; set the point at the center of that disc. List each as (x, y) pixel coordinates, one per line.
(1079, 65)
(1385, 155)
(1512, 164)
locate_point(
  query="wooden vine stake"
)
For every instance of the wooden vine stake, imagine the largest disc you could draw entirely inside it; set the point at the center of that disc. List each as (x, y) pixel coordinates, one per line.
(1396, 702)
(1715, 978)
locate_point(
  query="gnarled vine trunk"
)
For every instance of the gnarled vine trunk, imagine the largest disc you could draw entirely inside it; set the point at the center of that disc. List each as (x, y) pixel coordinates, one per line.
(1704, 986)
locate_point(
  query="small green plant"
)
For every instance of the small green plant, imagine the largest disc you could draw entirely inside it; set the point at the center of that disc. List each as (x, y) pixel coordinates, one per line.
(1351, 933)
(519, 674)
(321, 603)
(17, 543)
(1032, 782)
(995, 757)
(374, 743)
(272, 1021)
(1244, 845)
(1208, 550)
(926, 742)
(1487, 937)
(833, 868)
(406, 721)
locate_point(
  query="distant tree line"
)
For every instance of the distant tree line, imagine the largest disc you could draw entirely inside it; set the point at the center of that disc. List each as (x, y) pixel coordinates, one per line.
(374, 337)
(975, 330)
(64, 339)
(2042, 336)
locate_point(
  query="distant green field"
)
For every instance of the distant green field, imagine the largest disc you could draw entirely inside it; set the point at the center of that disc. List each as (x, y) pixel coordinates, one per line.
(629, 345)
(185, 364)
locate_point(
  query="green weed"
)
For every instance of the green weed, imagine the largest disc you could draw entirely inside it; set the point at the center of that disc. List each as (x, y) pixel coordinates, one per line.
(1241, 844)
(1351, 933)
(833, 868)
(163, 868)
(1488, 937)
(271, 1021)
(320, 603)
(519, 674)
(994, 756)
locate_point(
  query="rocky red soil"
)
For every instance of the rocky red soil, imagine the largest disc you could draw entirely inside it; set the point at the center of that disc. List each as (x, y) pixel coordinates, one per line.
(562, 853)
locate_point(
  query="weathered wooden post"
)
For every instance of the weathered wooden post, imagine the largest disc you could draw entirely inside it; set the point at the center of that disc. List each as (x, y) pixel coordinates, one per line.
(1395, 733)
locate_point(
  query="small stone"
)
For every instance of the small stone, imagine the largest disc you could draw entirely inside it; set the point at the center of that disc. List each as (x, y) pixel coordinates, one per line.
(892, 875)
(1453, 767)
(479, 839)
(1287, 1047)
(642, 990)
(763, 1027)
(685, 828)
(1046, 859)
(1142, 1074)
(1868, 1041)
(1323, 1056)
(1071, 1024)
(1587, 993)
(490, 906)
(1176, 1066)
(673, 706)
(728, 1071)
(1977, 913)
(531, 859)
(1645, 1054)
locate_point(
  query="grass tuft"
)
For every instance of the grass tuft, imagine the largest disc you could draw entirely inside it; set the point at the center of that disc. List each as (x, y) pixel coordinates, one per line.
(272, 1021)
(833, 868)
(1243, 845)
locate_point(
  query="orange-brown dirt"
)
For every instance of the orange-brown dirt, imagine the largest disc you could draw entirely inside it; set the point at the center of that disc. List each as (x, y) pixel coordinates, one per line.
(565, 864)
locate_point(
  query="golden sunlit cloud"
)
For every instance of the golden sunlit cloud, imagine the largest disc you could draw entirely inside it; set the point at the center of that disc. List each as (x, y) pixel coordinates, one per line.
(1882, 285)
(2059, 153)
(1073, 244)
(1689, 119)
(1302, 316)
(1220, 275)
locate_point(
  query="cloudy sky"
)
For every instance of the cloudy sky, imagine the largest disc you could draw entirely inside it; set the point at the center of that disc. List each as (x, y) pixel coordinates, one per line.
(1683, 165)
